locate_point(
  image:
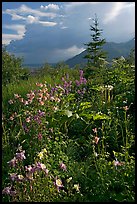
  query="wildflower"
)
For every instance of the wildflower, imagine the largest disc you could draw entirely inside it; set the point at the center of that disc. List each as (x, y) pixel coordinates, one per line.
(12, 117)
(10, 101)
(52, 98)
(55, 108)
(29, 176)
(125, 108)
(76, 187)
(96, 154)
(12, 162)
(20, 178)
(69, 179)
(6, 190)
(25, 102)
(96, 139)
(20, 156)
(63, 166)
(58, 184)
(16, 96)
(40, 155)
(109, 87)
(41, 102)
(51, 130)
(25, 128)
(95, 130)
(39, 84)
(9, 191)
(117, 163)
(44, 150)
(41, 113)
(45, 98)
(28, 119)
(78, 91)
(13, 193)
(77, 83)
(39, 166)
(29, 168)
(39, 136)
(21, 100)
(81, 73)
(13, 177)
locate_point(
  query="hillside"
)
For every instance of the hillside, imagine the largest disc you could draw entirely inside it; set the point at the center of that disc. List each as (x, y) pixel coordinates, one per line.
(113, 49)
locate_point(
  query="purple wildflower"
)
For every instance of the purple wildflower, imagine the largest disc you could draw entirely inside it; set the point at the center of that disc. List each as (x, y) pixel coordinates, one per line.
(81, 73)
(77, 83)
(58, 184)
(63, 166)
(6, 190)
(13, 176)
(78, 91)
(41, 113)
(28, 168)
(20, 156)
(25, 128)
(39, 136)
(12, 162)
(39, 166)
(9, 191)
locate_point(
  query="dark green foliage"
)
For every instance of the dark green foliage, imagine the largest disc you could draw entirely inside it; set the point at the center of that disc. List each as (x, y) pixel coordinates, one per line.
(95, 55)
(12, 70)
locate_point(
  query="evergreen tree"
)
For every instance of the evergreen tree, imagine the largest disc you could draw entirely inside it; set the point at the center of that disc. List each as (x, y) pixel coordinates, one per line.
(95, 55)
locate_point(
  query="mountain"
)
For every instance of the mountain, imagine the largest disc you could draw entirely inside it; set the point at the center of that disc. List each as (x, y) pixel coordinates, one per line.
(114, 50)
(21, 48)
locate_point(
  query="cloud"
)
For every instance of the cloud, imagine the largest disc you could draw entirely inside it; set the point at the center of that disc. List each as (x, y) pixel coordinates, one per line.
(69, 52)
(64, 27)
(31, 19)
(25, 10)
(47, 23)
(117, 7)
(19, 29)
(52, 7)
(54, 34)
(72, 5)
(7, 38)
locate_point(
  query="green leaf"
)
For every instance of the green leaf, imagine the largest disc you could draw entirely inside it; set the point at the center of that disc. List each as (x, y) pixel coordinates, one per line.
(68, 113)
(100, 116)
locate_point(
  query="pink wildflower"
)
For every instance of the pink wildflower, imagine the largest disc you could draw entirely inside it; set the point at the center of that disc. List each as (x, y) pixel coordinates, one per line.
(63, 166)
(117, 163)
(21, 100)
(12, 162)
(95, 130)
(16, 96)
(41, 102)
(28, 119)
(126, 108)
(10, 101)
(26, 102)
(39, 136)
(96, 139)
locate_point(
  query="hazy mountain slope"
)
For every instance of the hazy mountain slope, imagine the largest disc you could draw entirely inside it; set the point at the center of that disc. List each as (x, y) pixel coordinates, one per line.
(114, 50)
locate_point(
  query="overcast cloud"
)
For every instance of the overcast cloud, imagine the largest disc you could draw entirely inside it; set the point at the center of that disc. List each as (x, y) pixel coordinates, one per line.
(54, 31)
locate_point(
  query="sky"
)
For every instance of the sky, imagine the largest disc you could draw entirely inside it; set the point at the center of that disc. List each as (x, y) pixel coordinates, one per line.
(56, 31)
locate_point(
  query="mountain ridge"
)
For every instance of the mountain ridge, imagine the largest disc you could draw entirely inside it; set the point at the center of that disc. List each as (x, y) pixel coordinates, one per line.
(113, 49)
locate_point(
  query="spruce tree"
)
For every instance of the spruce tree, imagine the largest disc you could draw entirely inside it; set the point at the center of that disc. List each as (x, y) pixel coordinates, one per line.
(95, 55)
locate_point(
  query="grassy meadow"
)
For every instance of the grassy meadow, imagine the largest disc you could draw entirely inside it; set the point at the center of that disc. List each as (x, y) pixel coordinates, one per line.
(66, 138)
